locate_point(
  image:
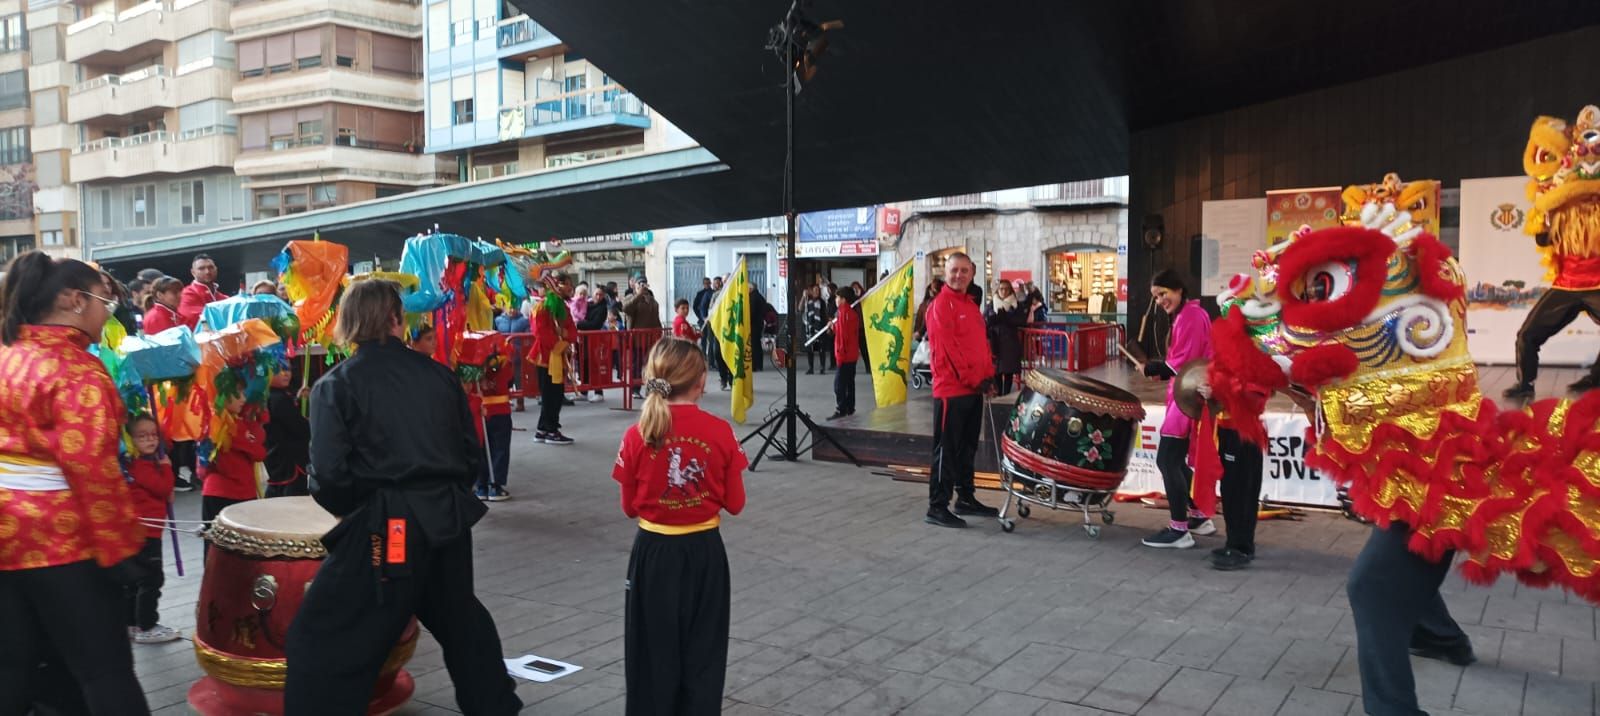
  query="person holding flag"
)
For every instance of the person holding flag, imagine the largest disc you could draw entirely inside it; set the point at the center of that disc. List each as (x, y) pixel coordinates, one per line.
(730, 324)
(846, 351)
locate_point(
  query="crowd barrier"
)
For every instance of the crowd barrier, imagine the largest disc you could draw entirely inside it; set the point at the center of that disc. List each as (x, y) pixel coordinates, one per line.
(599, 360)
(1070, 348)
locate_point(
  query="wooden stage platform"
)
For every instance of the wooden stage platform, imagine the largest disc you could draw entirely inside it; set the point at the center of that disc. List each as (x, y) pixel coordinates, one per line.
(902, 435)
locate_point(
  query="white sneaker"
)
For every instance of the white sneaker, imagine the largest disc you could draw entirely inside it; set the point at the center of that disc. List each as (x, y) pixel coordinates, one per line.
(595, 397)
(156, 635)
(1202, 527)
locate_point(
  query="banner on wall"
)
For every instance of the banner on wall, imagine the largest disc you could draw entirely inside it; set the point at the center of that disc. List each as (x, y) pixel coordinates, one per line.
(1285, 475)
(1230, 233)
(1289, 209)
(1505, 278)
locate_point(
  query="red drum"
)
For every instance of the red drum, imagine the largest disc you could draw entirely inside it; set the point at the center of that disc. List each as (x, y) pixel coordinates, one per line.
(263, 556)
(1074, 430)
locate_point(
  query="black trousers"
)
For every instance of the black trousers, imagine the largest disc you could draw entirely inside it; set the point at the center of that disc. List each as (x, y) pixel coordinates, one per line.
(1003, 382)
(957, 423)
(497, 432)
(818, 350)
(714, 349)
(1395, 601)
(1172, 458)
(1241, 489)
(343, 632)
(676, 633)
(210, 507)
(141, 587)
(72, 617)
(1550, 314)
(182, 455)
(844, 388)
(551, 397)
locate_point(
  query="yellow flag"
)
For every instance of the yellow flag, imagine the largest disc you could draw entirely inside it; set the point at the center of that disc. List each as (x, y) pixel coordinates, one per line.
(886, 311)
(730, 322)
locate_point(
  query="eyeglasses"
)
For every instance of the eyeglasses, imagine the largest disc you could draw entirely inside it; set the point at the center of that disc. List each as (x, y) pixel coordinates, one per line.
(110, 304)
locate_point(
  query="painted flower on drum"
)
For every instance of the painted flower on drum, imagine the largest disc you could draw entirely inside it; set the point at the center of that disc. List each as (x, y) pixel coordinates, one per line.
(1097, 437)
(1093, 455)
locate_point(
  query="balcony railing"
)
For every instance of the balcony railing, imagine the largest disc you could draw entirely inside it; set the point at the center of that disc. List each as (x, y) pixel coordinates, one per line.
(119, 142)
(594, 103)
(520, 29)
(1110, 188)
(210, 131)
(957, 200)
(124, 79)
(226, 63)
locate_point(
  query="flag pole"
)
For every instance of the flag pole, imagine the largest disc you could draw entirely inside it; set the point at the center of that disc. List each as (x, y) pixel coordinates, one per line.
(858, 301)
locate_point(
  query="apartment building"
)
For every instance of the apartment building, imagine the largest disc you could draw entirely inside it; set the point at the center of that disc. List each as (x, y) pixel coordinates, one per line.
(505, 96)
(18, 231)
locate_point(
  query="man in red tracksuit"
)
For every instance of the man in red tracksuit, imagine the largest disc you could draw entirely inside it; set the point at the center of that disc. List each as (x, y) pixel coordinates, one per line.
(200, 292)
(963, 374)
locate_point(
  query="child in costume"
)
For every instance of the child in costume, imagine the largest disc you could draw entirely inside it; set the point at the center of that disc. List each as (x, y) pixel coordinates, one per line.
(493, 394)
(231, 475)
(679, 468)
(150, 481)
(681, 327)
(288, 441)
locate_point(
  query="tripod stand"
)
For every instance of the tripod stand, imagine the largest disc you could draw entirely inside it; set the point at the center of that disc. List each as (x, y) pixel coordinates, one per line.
(799, 43)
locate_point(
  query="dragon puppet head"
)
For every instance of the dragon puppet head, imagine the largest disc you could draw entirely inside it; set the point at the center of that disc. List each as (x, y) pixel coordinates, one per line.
(1370, 316)
(1563, 166)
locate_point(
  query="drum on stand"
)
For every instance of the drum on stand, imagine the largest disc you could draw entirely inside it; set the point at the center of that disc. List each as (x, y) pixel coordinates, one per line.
(263, 556)
(1077, 431)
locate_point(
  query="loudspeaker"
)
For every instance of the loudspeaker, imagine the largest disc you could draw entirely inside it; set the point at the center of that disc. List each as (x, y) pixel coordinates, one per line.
(1155, 227)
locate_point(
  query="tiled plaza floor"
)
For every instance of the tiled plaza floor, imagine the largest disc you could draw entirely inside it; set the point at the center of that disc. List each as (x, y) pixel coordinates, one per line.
(845, 602)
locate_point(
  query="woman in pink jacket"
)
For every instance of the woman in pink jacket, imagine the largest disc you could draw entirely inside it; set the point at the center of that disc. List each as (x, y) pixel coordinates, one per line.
(1190, 340)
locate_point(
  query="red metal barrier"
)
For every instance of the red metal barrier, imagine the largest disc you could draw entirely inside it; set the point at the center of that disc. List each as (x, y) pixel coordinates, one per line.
(1083, 347)
(599, 360)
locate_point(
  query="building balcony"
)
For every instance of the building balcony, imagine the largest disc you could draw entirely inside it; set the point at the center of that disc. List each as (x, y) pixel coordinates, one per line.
(349, 160)
(581, 112)
(150, 91)
(269, 17)
(328, 84)
(110, 39)
(1111, 190)
(154, 153)
(520, 38)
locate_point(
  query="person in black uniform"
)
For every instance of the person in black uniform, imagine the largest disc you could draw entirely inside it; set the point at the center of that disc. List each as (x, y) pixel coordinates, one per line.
(396, 467)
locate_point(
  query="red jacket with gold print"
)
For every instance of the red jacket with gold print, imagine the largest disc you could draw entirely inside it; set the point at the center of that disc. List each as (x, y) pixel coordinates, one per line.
(60, 420)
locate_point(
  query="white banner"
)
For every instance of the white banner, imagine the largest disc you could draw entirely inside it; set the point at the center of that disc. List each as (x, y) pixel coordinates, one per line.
(1504, 277)
(1285, 476)
(1230, 233)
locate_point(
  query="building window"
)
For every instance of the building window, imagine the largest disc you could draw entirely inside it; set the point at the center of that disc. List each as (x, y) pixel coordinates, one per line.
(324, 195)
(191, 199)
(103, 201)
(305, 62)
(51, 238)
(14, 146)
(346, 137)
(461, 32)
(266, 204)
(462, 112)
(282, 141)
(142, 206)
(311, 133)
(13, 34)
(14, 90)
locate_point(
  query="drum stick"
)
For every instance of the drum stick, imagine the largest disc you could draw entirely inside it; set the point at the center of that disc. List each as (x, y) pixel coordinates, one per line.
(1129, 355)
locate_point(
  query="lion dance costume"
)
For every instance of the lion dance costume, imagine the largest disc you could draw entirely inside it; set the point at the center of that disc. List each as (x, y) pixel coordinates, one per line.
(1563, 165)
(1371, 318)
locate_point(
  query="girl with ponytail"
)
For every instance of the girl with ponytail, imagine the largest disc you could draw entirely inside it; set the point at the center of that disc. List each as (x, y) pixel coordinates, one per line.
(679, 468)
(65, 511)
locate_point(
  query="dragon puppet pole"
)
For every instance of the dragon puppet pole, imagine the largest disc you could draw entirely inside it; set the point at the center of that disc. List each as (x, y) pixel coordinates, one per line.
(177, 551)
(859, 299)
(305, 380)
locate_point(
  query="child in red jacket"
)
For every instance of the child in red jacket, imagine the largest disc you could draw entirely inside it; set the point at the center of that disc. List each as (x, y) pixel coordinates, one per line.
(150, 484)
(495, 429)
(846, 351)
(231, 476)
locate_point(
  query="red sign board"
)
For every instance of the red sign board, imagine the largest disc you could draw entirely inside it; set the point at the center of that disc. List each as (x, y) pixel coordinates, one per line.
(890, 220)
(783, 268)
(1122, 289)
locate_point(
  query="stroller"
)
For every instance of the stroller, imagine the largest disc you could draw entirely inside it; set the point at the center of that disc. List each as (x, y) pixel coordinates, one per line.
(922, 365)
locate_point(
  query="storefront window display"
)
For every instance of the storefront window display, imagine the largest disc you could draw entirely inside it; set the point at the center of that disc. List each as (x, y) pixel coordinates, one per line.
(1083, 283)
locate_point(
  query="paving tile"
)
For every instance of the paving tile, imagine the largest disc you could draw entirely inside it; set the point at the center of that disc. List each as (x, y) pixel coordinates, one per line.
(1307, 701)
(1307, 662)
(1550, 695)
(1250, 696)
(1509, 613)
(787, 681)
(1534, 653)
(1025, 668)
(1150, 639)
(949, 698)
(834, 691)
(1130, 686)
(890, 695)
(1005, 703)
(1201, 646)
(1580, 659)
(1490, 691)
(1251, 656)
(1190, 692)
(1073, 680)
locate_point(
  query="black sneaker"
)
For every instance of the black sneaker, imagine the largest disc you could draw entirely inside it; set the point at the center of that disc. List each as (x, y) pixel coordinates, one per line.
(1460, 654)
(556, 438)
(942, 517)
(1229, 559)
(837, 414)
(181, 485)
(497, 494)
(1170, 539)
(1520, 391)
(972, 507)
(1584, 384)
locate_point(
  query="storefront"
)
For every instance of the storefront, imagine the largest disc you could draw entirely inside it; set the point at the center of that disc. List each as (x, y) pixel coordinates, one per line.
(1083, 282)
(601, 259)
(841, 245)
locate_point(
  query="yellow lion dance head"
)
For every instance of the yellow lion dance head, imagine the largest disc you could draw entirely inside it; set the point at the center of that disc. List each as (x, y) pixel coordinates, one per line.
(1563, 166)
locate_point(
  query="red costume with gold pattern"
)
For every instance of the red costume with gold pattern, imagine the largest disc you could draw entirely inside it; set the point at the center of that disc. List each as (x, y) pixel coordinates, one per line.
(60, 411)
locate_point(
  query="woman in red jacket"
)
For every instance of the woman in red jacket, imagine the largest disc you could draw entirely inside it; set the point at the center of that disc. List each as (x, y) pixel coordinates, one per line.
(679, 468)
(65, 512)
(846, 351)
(162, 313)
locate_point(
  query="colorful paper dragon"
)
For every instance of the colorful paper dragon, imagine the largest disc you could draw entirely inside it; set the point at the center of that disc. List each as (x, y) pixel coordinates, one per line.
(1371, 318)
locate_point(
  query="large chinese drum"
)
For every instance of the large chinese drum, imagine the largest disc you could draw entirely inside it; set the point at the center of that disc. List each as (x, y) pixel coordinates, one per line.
(263, 556)
(1074, 430)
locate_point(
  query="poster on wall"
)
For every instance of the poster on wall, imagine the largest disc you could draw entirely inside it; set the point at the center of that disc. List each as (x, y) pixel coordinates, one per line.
(1289, 209)
(1285, 475)
(1505, 278)
(841, 232)
(1230, 233)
